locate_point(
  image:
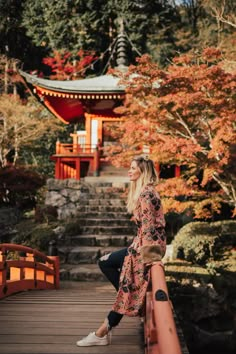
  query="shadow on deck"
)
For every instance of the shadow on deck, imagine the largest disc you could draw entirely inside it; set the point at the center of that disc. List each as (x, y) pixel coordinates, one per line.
(51, 321)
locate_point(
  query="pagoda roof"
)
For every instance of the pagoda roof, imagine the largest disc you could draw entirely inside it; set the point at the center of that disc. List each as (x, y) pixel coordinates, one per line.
(99, 84)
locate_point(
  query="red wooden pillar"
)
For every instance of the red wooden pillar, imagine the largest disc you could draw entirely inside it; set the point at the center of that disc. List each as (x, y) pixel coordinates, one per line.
(96, 161)
(62, 173)
(75, 142)
(77, 168)
(88, 128)
(100, 123)
(58, 147)
(177, 171)
(157, 166)
(57, 168)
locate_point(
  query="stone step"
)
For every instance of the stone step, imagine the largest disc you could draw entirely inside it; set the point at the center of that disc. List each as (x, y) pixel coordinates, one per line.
(101, 240)
(102, 208)
(113, 180)
(92, 272)
(104, 195)
(82, 272)
(104, 222)
(84, 254)
(119, 188)
(105, 182)
(107, 165)
(107, 169)
(105, 202)
(110, 172)
(108, 230)
(119, 172)
(103, 215)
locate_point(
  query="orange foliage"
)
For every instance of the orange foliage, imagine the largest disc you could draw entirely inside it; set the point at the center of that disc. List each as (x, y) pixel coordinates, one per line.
(67, 67)
(186, 115)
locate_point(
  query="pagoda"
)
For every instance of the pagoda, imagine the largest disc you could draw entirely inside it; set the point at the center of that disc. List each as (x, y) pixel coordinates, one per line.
(92, 101)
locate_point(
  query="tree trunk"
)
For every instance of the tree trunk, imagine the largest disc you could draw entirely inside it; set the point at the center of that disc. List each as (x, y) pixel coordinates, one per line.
(6, 77)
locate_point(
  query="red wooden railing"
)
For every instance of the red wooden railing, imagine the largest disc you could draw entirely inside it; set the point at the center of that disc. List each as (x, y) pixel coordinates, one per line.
(69, 157)
(74, 149)
(23, 268)
(159, 326)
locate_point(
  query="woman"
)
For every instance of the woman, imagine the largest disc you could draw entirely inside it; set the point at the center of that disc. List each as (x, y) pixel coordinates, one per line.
(129, 269)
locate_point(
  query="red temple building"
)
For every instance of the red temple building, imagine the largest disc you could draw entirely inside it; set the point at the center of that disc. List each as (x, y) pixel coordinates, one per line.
(91, 101)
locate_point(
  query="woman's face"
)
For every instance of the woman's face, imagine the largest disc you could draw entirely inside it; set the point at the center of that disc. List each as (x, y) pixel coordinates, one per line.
(134, 171)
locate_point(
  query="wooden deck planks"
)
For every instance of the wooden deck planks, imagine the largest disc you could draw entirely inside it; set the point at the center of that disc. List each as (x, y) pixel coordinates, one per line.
(51, 321)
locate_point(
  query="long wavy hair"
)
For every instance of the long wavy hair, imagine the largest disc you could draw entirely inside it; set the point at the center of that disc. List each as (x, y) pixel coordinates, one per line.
(148, 176)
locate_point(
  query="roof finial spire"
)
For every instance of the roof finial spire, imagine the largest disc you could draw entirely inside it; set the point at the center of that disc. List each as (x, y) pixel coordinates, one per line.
(121, 47)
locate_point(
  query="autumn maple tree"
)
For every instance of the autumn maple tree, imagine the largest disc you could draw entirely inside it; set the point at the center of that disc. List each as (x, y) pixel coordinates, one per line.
(186, 116)
(21, 123)
(65, 66)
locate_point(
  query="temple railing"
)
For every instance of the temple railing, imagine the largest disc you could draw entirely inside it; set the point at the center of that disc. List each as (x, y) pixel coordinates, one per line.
(24, 268)
(69, 158)
(74, 149)
(159, 327)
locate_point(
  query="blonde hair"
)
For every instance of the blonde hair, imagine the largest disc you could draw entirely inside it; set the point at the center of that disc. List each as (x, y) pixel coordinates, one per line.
(148, 176)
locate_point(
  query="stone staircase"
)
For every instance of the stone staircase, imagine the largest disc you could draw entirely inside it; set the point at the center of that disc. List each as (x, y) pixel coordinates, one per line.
(104, 226)
(107, 169)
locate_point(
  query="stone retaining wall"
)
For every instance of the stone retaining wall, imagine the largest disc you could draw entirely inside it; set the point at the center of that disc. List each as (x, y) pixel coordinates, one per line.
(67, 196)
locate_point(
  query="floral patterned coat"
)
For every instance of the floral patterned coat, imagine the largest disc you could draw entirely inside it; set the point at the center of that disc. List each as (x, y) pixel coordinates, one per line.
(135, 273)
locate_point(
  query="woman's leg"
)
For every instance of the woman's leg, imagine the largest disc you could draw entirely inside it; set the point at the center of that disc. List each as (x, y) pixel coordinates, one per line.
(112, 320)
(111, 265)
(101, 337)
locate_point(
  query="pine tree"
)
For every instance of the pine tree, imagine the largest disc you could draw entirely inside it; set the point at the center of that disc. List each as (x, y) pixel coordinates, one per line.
(14, 42)
(60, 24)
(11, 33)
(94, 25)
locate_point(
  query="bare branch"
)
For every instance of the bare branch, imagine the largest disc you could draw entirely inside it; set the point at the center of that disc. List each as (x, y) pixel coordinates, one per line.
(219, 14)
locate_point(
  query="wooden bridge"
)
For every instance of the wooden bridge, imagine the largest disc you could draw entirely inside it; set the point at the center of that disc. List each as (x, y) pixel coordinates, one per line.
(51, 321)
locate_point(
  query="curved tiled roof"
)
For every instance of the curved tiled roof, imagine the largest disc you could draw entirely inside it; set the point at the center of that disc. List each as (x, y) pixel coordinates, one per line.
(104, 83)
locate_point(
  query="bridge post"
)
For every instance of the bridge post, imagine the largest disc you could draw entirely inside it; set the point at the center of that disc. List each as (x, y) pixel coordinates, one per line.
(53, 254)
(3, 273)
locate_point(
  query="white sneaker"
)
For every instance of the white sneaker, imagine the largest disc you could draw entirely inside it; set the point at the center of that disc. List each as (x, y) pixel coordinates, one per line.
(92, 339)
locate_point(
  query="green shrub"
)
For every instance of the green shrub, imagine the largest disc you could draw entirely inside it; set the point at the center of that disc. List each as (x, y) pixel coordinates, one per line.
(34, 235)
(18, 187)
(199, 242)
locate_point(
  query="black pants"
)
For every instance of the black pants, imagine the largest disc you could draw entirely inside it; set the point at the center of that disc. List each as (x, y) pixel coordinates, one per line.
(111, 266)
